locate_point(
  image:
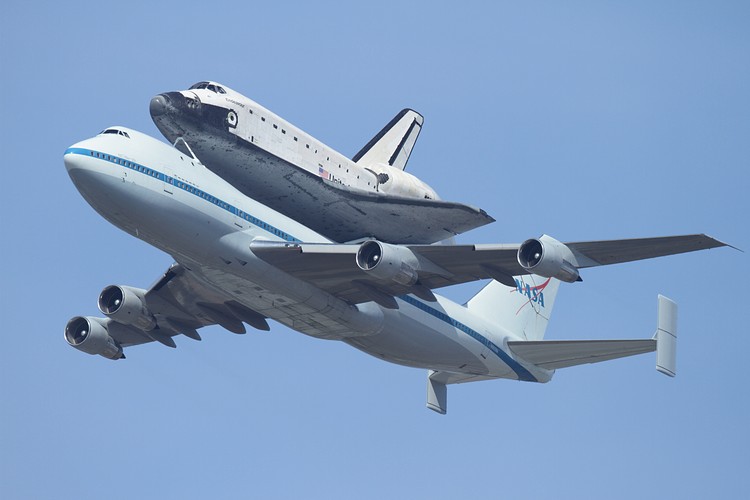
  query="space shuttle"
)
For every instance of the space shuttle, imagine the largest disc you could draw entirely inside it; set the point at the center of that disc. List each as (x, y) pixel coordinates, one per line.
(368, 196)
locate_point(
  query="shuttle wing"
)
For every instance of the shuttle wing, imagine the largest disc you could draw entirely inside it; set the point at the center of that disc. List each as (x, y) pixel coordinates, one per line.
(343, 214)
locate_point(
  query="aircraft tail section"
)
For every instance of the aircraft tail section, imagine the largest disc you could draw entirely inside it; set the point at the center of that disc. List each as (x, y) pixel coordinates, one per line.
(523, 310)
(393, 144)
(554, 354)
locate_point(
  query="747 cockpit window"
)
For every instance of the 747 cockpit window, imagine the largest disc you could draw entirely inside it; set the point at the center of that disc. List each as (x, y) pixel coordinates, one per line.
(116, 132)
(210, 86)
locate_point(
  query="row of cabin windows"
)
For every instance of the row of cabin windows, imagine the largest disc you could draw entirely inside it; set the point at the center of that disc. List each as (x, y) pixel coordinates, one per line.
(195, 191)
(202, 194)
(236, 211)
(125, 163)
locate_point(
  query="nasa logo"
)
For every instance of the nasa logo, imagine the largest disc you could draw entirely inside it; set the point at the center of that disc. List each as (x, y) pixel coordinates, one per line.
(533, 293)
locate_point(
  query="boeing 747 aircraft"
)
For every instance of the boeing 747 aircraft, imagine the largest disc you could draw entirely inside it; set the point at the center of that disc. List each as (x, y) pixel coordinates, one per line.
(286, 169)
(238, 262)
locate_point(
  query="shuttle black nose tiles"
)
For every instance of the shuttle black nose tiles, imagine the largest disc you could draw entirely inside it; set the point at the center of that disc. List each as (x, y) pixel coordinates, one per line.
(158, 105)
(172, 103)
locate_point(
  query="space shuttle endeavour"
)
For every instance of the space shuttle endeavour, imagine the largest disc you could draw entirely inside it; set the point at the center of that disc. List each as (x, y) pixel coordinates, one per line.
(272, 161)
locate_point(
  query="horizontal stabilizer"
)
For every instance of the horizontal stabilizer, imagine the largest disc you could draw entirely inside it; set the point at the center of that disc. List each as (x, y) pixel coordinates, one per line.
(553, 354)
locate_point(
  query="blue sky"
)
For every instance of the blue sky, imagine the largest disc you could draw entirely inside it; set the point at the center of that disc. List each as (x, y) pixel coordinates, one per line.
(583, 120)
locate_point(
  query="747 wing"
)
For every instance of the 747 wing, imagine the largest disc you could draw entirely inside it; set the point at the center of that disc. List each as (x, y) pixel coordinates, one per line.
(180, 302)
(376, 271)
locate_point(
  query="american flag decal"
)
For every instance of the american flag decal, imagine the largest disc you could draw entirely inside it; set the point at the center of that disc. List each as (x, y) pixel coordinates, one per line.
(324, 173)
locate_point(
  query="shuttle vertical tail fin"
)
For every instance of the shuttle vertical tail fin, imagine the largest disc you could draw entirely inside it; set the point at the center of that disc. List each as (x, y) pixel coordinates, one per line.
(393, 144)
(524, 310)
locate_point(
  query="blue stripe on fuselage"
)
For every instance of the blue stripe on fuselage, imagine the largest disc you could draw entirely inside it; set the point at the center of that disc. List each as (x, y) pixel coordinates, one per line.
(521, 372)
(137, 167)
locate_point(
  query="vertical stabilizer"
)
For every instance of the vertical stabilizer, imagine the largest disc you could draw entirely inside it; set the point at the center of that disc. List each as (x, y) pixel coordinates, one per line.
(666, 337)
(393, 144)
(524, 310)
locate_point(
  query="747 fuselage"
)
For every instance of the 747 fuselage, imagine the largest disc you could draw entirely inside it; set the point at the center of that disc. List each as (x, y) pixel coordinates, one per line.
(165, 198)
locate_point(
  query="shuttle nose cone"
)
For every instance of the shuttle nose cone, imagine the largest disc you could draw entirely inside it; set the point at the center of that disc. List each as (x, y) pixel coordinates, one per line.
(158, 105)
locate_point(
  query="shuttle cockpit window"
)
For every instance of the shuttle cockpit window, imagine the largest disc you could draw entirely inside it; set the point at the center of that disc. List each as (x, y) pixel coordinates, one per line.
(116, 132)
(210, 86)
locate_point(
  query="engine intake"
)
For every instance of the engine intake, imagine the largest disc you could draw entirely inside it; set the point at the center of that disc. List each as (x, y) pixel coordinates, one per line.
(388, 262)
(127, 305)
(90, 335)
(548, 257)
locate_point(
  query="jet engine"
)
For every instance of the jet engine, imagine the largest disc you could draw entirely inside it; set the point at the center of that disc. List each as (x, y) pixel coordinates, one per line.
(127, 305)
(548, 257)
(388, 262)
(90, 335)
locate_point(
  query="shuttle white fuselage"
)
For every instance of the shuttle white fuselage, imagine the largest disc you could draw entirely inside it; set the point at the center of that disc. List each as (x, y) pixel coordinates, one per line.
(255, 125)
(272, 161)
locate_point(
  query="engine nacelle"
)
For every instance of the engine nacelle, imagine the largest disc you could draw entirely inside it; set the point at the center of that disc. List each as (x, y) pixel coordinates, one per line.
(388, 262)
(90, 335)
(548, 257)
(127, 305)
